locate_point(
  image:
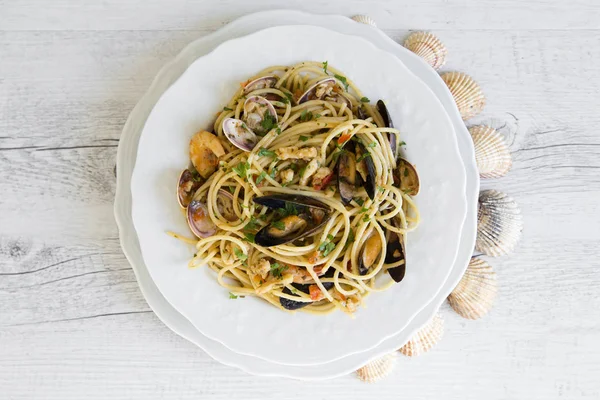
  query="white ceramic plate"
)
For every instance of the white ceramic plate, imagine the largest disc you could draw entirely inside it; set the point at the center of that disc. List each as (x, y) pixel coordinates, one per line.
(127, 154)
(252, 327)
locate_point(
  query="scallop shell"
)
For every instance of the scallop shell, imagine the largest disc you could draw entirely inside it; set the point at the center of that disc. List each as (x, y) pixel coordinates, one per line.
(364, 19)
(466, 92)
(378, 369)
(425, 339)
(491, 152)
(474, 295)
(499, 223)
(427, 46)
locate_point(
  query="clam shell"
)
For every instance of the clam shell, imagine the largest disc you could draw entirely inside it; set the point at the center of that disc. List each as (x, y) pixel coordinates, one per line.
(466, 92)
(424, 339)
(365, 19)
(378, 369)
(499, 223)
(474, 295)
(491, 152)
(427, 46)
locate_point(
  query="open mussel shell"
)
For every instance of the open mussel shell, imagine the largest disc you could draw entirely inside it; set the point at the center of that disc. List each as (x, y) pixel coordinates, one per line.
(308, 217)
(186, 187)
(256, 109)
(371, 179)
(394, 253)
(239, 135)
(305, 288)
(225, 205)
(346, 170)
(409, 178)
(387, 121)
(199, 220)
(369, 254)
(263, 82)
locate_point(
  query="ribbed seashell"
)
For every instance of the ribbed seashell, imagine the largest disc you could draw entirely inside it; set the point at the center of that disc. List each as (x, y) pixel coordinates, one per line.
(365, 19)
(499, 223)
(427, 46)
(491, 152)
(466, 92)
(474, 295)
(424, 339)
(378, 369)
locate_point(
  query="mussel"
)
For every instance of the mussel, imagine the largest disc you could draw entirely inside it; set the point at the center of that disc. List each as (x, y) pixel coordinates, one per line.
(328, 89)
(369, 253)
(205, 150)
(263, 82)
(408, 176)
(303, 217)
(225, 205)
(256, 110)
(395, 253)
(305, 288)
(371, 178)
(387, 121)
(199, 220)
(186, 187)
(239, 134)
(346, 171)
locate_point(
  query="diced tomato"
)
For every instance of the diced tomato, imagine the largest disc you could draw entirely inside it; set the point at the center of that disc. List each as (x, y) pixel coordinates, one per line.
(344, 138)
(318, 269)
(324, 182)
(315, 293)
(313, 257)
(243, 84)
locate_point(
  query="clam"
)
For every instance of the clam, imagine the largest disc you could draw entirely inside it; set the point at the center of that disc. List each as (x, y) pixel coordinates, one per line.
(394, 253)
(186, 187)
(225, 205)
(239, 135)
(205, 150)
(199, 220)
(491, 152)
(467, 93)
(387, 121)
(425, 338)
(263, 82)
(377, 369)
(305, 288)
(328, 89)
(259, 114)
(305, 216)
(499, 223)
(369, 253)
(346, 170)
(474, 295)
(369, 166)
(409, 178)
(427, 46)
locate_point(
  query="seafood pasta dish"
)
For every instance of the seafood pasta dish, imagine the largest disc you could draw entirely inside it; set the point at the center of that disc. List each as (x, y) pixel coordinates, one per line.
(300, 194)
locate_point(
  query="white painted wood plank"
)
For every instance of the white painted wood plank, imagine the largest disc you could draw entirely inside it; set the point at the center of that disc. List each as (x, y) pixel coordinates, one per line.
(80, 328)
(210, 15)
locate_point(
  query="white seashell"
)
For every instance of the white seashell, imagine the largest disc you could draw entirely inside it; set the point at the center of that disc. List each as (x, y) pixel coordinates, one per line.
(378, 369)
(365, 19)
(424, 339)
(474, 295)
(499, 223)
(491, 152)
(466, 92)
(427, 46)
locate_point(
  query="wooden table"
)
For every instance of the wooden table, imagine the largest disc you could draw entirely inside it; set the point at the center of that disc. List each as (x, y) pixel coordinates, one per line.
(73, 323)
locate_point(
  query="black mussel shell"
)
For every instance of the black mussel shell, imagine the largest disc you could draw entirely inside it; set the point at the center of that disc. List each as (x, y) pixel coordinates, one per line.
(395, 253)
(371, 183)
(387, 120)
(303, 287)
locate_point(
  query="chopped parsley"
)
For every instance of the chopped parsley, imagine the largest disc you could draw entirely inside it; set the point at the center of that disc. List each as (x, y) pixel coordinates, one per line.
(268, 121)
(325, 67)
(364, 210)
(266, 153)
(330, 237)
(277, 269)
(278, 130)
(381, 189)
(303, 138)
(289, 209)
(372, 144)
(343, 80)
(273, 173)
(289, 96)
(261, 177)
(232, 296)
(279, 225)
(366, 218)
(302, 170)
(251, 225)
(326, 247)
(359, 201)
(240, 254)
(365, 100)
(227, 109)
(317, 116)
(405, 172)
(402, 143)
(241, 169)
(249, 237)
(350, 237)
(306, 115)
(363, 156)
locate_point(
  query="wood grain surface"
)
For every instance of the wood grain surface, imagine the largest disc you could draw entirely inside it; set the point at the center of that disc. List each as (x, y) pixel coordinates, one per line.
(73, 323)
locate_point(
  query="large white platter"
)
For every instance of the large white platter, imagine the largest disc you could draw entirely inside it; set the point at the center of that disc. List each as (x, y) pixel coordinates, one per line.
(252, 327)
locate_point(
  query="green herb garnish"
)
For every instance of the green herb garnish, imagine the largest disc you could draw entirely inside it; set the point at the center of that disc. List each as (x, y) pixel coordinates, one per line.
(251, 225)
(372, 144)
(343, 80)
(278, 225)
(277, 269)
(249, 237)
(363, 156)
(405, 172)
(326, 247)
(325, 67)
(232, 296)
(227, 109)
(366, 218)
(278, 130)
(268, 121)
(303, 138)
(266, 153)
(306, 115)
(365, 100)
(240, 254)
(241, 169)
(364, 210)
(261, 177)
(359, 201)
